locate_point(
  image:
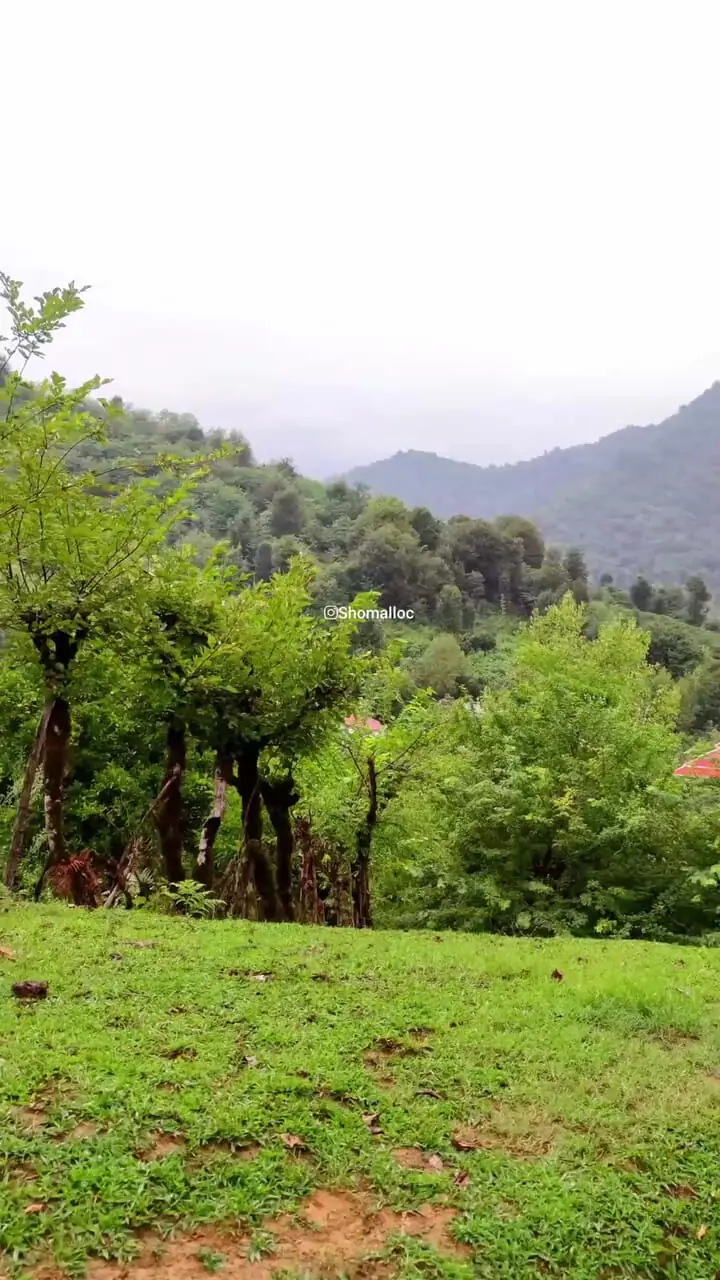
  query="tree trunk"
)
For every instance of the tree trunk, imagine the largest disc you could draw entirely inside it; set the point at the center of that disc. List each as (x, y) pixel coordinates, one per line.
(55, 760)
(260, 868)
(362, 909)
(310, 904)
(279, 797)
(205, 869)
(22, 818)
(169, 818)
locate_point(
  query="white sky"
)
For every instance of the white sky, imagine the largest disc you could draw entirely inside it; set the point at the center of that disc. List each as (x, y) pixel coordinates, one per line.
(483, 227)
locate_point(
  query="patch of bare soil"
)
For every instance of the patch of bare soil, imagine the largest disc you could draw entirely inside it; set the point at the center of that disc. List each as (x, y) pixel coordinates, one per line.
(85, 1129)
(380, 1056)
(414, 1158)
(163, 1144)
(31, 1118)
(236, 1150)
(22, 1172)
(336, 1234)
(680, 1192)
(524, 1137)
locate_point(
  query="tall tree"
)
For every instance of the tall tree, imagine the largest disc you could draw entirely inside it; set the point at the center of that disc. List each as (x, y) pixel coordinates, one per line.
(698, 600)
(641, 593)
(73, 549)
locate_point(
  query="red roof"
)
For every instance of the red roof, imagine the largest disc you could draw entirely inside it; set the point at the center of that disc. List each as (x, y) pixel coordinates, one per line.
(369, 725)
(704, 767)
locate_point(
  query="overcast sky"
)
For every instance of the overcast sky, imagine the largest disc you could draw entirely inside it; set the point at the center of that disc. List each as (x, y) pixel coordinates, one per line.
(482, 227)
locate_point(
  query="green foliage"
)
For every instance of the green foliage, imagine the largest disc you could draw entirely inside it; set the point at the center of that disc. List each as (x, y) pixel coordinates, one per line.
(441, 667)
(673, 645)
(567, 815)
(186, 898)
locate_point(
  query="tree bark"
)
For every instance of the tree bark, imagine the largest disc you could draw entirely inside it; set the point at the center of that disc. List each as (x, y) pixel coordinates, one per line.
(362, 908)
(205, 869)
(169, 818)
(18, 840)
(279, 797)
(261, 871)
(55, 760)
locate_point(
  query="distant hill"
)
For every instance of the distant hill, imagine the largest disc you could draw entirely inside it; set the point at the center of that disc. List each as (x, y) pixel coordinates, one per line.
(642, 500)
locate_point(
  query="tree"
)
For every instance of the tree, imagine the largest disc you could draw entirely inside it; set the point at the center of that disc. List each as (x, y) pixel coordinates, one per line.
(701, 696)
(698, 600)
(449, 613)
(673, 644)
(441, 667)
(475, 547)
(73, 550)
(390, 555)
(272, 690)
(427, 528)
(669, 601)
(533, 544)
(577, 574)
(563, 826)
(286, 512)
(346, 787)
(264, 562)
(641, 593)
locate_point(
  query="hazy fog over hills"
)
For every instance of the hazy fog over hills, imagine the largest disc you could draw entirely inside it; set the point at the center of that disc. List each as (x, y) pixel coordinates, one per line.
(352, 229)
(640, 500)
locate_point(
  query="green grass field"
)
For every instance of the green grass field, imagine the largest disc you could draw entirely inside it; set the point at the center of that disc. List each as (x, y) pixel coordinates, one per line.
(224, 1099)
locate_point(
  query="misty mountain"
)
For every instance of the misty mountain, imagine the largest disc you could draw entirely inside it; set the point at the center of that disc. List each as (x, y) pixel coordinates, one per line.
(641, 500)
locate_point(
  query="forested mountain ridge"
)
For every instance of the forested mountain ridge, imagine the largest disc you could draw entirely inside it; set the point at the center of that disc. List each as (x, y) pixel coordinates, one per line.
(641, 500)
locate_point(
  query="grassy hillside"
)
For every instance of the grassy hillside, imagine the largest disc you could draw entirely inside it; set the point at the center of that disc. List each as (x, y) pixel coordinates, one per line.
(642, 500)
(287, 1098)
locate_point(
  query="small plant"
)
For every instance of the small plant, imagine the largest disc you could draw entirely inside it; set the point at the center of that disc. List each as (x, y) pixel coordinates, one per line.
(77, 879)
(262, 1243)
(211, 1260)
(187, 898)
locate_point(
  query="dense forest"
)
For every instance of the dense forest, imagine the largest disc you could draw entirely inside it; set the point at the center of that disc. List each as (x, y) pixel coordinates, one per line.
(641, 500)
(184, 731)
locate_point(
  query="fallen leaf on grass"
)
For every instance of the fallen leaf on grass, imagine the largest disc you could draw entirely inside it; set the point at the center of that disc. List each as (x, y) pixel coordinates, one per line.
(140, 943)
(250, 1061)
(428, 1093)
(6, 953)
(371, 1119)
(260, 977)
(462, 1177)
(702, 1232)
(557, 975)
(115, 955)
(182, 1052)
(30, 990)
(292, 1142)
(434, 1162)
(36, 1208)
